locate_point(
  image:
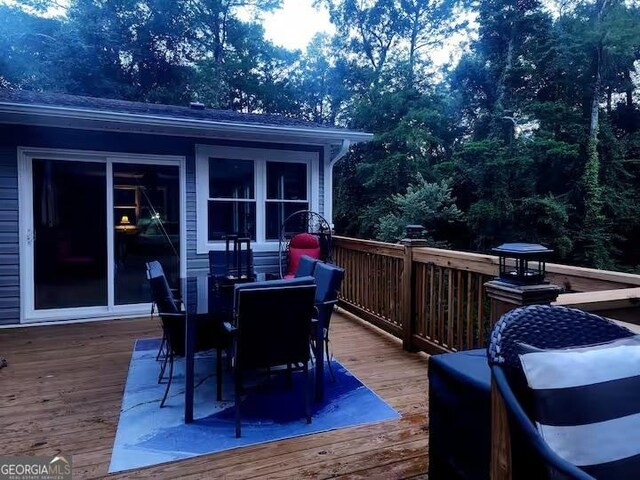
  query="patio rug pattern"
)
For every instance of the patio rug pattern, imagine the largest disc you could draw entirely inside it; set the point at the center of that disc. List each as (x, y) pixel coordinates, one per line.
(148, 435)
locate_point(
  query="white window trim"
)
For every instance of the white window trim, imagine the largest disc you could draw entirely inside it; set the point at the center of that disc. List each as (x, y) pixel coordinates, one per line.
(260, 156)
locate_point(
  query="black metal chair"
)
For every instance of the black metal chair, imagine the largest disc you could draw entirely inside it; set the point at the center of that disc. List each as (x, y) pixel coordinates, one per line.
(328, 280)
(272, 328)
(154, 268)
(544, 327)
(209, 333)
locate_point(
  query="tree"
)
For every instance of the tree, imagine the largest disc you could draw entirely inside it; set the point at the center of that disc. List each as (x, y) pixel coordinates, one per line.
(29, 44)
(428, 204)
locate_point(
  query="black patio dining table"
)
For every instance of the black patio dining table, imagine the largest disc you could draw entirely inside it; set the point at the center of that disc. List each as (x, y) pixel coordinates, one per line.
(201, 297)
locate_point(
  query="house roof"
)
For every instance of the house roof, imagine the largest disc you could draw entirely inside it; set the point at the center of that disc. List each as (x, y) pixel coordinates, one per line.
(72, 111)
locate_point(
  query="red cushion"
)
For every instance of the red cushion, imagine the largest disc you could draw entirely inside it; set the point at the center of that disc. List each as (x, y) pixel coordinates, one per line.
(305, 240)
(302, 244)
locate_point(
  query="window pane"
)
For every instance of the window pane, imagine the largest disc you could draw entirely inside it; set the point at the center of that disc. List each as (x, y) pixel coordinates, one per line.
(231, 218)
(230, 178)
(277, 212)
(70, 246)
(146, 215)
(286, 181)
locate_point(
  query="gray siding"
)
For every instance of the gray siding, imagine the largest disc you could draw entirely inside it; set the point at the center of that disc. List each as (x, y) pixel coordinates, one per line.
(321, 186)
(9, 260)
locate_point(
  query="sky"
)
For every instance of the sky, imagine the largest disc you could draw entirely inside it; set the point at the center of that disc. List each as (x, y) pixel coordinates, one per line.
(295, 24)
(292, 26)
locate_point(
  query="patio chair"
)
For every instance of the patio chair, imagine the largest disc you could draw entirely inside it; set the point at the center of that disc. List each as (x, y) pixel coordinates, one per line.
(328, 279)
(154, 268)
(306, 266)
(272, 328)
(302, 244)
(209, 333)
(524, 452)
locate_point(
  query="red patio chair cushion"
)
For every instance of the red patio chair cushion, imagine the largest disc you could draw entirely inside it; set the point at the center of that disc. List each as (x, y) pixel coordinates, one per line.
(302, 244)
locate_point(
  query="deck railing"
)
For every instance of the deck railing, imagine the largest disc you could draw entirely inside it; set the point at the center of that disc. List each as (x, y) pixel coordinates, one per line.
(434, 299)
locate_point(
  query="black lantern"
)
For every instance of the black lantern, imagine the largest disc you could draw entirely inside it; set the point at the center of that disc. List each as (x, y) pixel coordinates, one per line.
(414, 232)
(522, 263)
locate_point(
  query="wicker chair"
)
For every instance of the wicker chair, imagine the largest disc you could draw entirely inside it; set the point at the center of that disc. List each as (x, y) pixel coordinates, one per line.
(518, 450)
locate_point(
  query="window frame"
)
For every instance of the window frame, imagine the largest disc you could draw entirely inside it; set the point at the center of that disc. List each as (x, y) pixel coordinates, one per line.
(260, 157)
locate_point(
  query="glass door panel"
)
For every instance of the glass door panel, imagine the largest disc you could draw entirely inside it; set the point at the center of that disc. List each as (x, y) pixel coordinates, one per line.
(70, 241)
(146, 215)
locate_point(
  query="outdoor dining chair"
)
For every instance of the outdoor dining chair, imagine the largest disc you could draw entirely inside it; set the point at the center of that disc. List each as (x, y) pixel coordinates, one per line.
(272, 327)
(328, 278)
(525, 453)
(306, 266)
(154, 269)
(209, 334)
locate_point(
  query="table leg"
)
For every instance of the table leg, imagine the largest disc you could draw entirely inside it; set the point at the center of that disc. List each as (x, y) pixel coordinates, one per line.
(189, 367)
(319, 353)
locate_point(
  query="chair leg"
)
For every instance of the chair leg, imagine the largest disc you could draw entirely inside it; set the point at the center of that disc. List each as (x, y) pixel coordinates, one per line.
(166, 391)
(326, 349)
(229, 360)
(307, 393)
(163, 367)
(161, 350)
(237, 401)
(219, 374)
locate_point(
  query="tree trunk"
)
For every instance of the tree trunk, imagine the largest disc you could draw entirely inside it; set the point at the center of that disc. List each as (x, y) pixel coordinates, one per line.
(413, 46)
(629, 90)
(508, 65)
(595, 99)
(595, 248)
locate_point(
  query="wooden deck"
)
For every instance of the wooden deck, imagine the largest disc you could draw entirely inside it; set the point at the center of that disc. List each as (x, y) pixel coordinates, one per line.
(62, 391)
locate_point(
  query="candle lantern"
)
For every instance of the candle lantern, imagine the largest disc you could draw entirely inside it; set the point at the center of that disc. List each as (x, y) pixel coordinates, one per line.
(522, 263)
(414, 232)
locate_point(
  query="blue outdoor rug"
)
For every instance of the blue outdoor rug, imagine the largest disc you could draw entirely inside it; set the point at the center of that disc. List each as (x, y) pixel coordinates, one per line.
(148, 435)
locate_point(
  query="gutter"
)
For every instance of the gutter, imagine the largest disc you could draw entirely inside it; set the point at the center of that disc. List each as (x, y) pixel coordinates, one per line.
(44, 115)
(328, 178)
(344, 149)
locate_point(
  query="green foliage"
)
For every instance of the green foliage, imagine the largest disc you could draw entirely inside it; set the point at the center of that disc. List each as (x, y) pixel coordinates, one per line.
(533, 135)
(428, 204)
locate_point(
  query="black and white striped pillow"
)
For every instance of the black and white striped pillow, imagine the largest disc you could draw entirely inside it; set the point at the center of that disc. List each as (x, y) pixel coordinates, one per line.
(587, 403)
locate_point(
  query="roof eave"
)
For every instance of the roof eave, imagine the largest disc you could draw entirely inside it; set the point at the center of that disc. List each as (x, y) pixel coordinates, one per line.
(67, 117)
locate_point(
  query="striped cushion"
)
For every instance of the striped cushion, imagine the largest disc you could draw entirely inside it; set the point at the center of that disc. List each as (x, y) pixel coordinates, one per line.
(587, 405)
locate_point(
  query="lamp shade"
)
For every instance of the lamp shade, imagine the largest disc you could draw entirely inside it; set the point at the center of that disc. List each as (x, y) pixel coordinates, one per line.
(522, 263)
(125, 220)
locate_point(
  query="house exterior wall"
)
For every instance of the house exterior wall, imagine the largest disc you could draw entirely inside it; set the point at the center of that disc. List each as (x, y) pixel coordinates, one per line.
(9, 260)
(14, 136)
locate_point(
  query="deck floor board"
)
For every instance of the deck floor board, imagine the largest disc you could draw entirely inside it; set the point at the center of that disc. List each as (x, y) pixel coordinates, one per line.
(63, 388)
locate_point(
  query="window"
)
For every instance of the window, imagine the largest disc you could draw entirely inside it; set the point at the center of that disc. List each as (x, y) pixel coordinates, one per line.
(232, 201)
(287, 192)
(249, 191)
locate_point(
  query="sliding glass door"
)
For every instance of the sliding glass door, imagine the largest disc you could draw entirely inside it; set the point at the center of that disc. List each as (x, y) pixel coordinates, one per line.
(90, 226)
(146, 217)
(69, 234)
